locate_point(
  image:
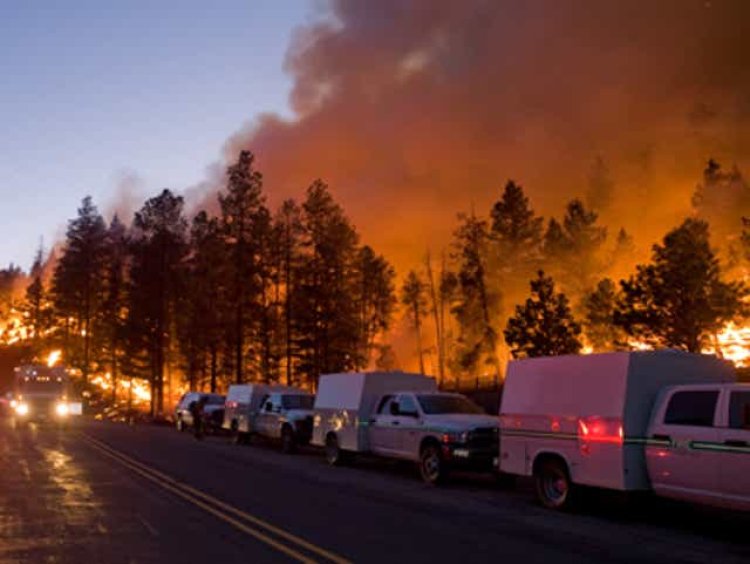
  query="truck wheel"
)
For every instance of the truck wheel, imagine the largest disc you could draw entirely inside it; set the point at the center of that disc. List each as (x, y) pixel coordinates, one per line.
(288, 441)
(334, 454)
(553, 486)
(431, 465)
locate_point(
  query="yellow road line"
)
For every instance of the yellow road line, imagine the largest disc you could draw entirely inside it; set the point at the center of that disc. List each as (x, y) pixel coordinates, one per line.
(190, 494)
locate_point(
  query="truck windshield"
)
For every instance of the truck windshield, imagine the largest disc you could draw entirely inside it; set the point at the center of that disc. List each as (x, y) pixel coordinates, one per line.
(297, 402)
(433, 405)
(214, 400)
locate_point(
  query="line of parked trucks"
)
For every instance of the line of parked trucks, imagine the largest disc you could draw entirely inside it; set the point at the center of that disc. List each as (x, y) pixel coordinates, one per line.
(670, 422)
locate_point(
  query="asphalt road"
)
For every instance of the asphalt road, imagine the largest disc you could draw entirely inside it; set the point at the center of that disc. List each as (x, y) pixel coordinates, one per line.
(105, 493)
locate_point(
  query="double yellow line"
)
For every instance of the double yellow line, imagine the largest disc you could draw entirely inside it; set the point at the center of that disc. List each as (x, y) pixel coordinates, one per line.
(275, 537)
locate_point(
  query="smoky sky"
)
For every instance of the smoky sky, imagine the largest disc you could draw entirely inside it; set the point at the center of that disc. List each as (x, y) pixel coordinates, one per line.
(414, 111)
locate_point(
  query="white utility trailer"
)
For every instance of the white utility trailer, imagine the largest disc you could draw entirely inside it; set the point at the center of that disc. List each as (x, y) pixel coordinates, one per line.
(345, 403)
(571, 420)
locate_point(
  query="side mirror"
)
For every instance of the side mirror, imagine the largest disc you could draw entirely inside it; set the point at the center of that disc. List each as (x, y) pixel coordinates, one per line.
(394, 409)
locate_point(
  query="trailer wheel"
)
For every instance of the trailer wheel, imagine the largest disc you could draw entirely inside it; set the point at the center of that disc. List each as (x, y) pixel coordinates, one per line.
(553, 486)
(431, 465)
(288, 440)
(334, 454)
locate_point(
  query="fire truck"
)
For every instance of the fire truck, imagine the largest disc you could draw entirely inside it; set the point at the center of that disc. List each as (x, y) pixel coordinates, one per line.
(41, 394)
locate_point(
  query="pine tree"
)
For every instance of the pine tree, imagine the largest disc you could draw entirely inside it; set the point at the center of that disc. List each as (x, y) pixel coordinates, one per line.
(679, 300)
(374, 295)
(11, 279)
(478, 306)
(78, 283)
(414, 299)
(156, 282)
(572, 250)
(289, 231)
(326, 317)
(516, 228)
(555, 241)
(438, 316)
(113, 312)
(599, 307)
(722, 197)
(269, 330)
(242, 212)
(202, 304)
(448, 299)
(544, 325)
(37, 307)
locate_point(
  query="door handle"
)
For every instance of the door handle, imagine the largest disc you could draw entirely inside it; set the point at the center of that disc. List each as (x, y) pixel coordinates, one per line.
(662, 438)
(735, 443)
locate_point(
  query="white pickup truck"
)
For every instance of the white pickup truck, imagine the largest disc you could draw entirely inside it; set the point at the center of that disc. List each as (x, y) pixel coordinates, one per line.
(398, 415)
(667, 421)
(699, 444)
(280, 413)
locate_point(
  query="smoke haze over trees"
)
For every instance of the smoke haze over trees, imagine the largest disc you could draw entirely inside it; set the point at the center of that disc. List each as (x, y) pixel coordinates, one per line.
(419, 109)
(416, 114)
(251, 294)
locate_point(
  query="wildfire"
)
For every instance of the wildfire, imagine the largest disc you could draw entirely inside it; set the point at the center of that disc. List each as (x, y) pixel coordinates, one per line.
(140, 388)
(53, 358)
(13, 328)
(733, 343)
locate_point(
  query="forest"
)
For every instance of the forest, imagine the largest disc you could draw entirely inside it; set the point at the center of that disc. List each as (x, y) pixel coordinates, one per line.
(181, 299)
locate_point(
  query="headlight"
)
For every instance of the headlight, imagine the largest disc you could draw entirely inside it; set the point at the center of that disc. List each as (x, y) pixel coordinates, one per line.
(22, 409)
(62, 409)
(455, 437)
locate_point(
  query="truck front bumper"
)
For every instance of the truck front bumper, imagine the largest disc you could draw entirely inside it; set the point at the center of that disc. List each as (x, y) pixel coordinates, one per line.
(462, 457)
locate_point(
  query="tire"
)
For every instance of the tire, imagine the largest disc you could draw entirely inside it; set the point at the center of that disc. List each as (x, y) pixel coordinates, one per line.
(334, 454)
(288, 441)
(554, 490)
(431, 465)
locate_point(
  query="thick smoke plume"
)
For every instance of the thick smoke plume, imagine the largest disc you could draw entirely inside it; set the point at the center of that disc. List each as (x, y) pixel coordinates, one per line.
(413, 111)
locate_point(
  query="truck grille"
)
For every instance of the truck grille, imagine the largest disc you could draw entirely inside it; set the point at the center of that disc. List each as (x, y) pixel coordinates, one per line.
(483, 437)
(304, 427)
(41, 407)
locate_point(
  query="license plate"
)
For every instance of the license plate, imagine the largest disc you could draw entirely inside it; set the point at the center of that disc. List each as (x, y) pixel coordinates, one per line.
(461, 453)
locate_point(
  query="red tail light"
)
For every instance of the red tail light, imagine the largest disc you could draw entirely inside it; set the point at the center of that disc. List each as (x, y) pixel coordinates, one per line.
(600, 429)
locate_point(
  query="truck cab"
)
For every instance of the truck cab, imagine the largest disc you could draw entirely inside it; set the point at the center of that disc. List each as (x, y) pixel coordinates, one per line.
(286, 416)
(41, 395)
(698, 445)
(439, 431)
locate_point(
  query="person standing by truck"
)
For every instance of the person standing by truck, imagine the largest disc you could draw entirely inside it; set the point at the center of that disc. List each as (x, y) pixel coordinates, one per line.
(197, 409)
